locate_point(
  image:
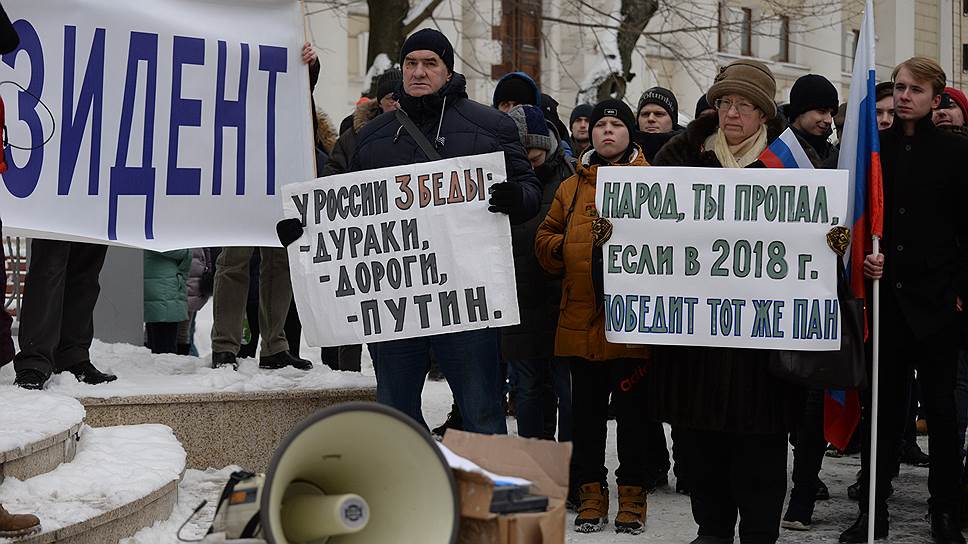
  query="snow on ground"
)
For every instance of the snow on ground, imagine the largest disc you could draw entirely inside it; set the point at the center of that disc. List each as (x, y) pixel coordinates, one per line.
(27, 416)
(669, 518)
(96, 482)
(196, 486)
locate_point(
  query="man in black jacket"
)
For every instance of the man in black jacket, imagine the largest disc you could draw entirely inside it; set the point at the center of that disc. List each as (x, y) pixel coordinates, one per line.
(434, 97)
(924, 270)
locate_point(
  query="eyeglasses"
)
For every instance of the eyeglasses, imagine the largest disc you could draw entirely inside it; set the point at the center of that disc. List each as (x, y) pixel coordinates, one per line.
(743, 108)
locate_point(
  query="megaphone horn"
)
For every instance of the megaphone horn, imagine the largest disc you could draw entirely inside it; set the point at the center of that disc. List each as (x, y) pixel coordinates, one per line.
(359, 472)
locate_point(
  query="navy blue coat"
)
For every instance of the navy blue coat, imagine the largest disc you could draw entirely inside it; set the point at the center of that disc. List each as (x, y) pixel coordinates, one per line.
(458, 127)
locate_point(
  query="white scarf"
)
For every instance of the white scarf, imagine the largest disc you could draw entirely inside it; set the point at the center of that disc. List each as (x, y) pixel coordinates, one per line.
(740, 155)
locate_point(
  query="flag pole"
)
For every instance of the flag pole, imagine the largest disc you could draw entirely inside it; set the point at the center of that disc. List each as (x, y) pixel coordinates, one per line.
(872, 466)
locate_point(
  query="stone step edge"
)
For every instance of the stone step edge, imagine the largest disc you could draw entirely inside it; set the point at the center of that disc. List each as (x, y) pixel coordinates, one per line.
(45, 443)
(221, 396)
(75, 531)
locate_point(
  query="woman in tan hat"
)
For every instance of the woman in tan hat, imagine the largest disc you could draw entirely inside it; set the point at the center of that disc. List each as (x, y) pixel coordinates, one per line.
(732, 416)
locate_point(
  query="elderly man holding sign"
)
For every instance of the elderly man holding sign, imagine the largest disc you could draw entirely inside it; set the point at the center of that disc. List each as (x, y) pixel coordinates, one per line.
(435, 121)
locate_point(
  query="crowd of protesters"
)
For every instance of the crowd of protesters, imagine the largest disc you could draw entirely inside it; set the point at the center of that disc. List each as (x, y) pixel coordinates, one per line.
(732, 421)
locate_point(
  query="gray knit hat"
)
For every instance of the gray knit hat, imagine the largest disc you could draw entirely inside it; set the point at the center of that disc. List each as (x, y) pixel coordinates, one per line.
(748, 78)
(533, 128)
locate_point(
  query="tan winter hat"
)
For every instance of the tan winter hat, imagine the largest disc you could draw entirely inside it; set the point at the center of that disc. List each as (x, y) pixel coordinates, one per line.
(748, 78)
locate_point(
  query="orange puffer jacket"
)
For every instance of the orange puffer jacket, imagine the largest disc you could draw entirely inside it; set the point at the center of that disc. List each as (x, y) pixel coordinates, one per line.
(581, 322)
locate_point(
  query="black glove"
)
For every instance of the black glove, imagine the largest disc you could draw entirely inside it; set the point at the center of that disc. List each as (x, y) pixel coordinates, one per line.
(506, 198)
(289, 230)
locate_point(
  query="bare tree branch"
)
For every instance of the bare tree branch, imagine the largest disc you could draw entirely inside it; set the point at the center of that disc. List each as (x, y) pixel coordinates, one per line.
(423, 15)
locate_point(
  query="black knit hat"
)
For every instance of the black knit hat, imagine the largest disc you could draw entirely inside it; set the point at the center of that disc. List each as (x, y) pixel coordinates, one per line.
(702, 105)
(581, 110)
(812, 92)
(663, 98)
(429, 39)
(614, 107)
(388, 82)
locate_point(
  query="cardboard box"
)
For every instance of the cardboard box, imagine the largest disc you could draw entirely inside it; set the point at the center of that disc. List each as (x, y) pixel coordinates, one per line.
(543, 462)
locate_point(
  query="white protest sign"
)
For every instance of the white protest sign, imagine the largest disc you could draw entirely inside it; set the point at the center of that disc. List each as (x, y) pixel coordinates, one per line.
(172, 123)
(722, 257)
(402, 252)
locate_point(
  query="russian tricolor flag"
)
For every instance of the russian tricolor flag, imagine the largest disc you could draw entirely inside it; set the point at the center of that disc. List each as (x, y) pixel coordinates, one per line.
(785, 152)
(860, 155)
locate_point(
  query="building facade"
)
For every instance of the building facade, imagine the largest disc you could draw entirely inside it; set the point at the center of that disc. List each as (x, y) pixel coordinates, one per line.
(565, 44)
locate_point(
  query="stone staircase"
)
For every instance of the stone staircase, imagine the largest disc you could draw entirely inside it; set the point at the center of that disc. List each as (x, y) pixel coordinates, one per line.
(86, 484)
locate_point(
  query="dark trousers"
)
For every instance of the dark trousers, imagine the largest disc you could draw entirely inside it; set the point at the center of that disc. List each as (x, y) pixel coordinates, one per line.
(469, 361)
(162, 337)
(936, 357)
(808, 452)
(57, 311)
(734, 474)
(6, 341)
(591, 384)
(544, 389)
(657, 453)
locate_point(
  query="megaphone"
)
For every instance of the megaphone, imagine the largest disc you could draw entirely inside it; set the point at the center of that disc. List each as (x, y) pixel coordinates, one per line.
(359, 472)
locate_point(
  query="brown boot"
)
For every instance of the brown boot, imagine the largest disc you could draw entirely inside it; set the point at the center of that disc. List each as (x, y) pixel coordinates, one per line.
(17, 524)
(592, 509)
(632, 508)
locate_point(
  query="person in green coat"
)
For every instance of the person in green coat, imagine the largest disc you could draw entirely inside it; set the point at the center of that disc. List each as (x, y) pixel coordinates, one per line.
(165, 297)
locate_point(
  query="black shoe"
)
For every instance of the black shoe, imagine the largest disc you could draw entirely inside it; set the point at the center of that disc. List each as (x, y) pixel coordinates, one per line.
(799, 514)
(707, 539)
(912, 455)
(30, 379)
(823, 494)
(682, 487)
(857, 533)
(284, 359)
(87, 373)
(454, 421)
(945, 529)
(224, 358)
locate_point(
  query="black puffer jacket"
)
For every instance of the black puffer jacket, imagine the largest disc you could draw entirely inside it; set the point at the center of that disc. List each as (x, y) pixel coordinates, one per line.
(339, 159)
(458, 127)
(539, 294)
(717, 389)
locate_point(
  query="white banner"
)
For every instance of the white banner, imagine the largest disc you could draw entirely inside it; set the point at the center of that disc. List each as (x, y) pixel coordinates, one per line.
(722, 257)
(168, 123)
(401, 252)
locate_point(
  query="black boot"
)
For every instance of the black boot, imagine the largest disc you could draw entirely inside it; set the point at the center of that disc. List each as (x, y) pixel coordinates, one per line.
(224, 358)
(823, 494)
(30, 379)
(912, 455)
(945, 528)
(284, 359)
(454, 421)
(857, 533)
(87, 373)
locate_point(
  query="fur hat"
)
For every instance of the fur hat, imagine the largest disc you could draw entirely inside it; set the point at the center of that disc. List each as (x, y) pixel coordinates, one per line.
(748, 78)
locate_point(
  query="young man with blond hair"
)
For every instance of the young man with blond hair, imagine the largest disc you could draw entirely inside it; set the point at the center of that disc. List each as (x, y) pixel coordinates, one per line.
(924, 278)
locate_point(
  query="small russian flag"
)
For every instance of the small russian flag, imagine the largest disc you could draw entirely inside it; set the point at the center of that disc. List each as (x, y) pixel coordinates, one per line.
(785, 152)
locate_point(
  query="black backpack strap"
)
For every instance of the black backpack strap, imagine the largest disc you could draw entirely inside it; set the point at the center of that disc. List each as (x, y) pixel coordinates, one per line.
(251, 527)
(418, 136)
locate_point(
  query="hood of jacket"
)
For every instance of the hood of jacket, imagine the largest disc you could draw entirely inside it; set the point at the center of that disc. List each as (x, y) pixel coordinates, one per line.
(527, 79)
(364, 113)
(325, 132)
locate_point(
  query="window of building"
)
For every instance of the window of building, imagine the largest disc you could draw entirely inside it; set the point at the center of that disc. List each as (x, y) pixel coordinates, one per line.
(964, 57)
(747, 33)
(784, 54)
(520, 37)
(849, 50)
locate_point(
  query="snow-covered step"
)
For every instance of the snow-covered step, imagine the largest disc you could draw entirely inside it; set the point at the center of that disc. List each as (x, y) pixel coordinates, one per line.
(121, 480)
(38, 431)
